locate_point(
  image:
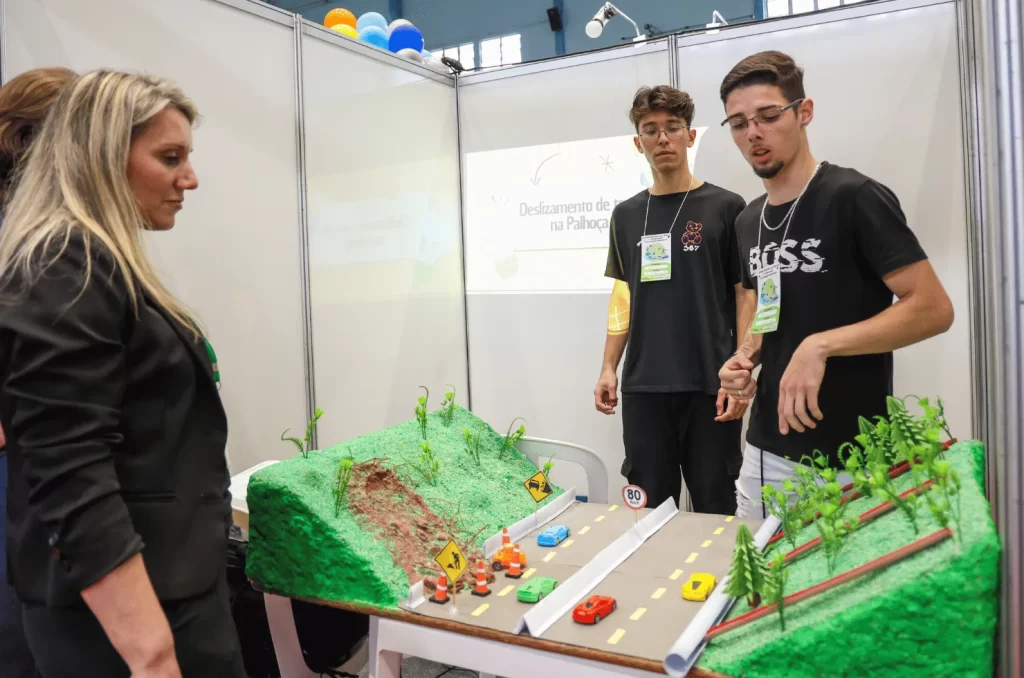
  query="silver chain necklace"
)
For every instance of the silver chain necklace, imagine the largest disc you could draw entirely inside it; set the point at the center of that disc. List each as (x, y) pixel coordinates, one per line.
(786, 220)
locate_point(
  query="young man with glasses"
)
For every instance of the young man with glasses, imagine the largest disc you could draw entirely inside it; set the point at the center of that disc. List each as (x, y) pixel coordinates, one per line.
(830, 246)
(673, 255)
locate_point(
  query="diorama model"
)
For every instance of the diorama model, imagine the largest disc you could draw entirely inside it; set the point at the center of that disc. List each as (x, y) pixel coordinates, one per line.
(534, 590)
(594, 609)
(700, 584)
(553, 536)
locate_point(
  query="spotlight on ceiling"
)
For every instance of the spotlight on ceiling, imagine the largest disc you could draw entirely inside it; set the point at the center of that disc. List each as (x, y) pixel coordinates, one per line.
(717, 20)
(596, 25)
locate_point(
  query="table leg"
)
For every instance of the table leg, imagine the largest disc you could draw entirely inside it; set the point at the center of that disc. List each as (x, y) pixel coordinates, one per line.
(383, 663)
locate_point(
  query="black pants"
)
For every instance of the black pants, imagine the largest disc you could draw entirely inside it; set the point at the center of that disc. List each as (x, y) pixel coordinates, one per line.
(70, 641)
(666, 433)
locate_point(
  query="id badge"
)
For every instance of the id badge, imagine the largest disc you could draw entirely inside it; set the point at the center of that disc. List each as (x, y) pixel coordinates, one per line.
(769, 300)
(655, 257)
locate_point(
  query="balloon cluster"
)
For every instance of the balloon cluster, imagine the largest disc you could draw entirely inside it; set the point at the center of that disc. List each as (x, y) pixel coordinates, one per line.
(400, 36)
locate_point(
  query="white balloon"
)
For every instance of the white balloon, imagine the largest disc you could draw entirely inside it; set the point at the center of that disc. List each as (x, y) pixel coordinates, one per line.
(396, 23)
(410, 54)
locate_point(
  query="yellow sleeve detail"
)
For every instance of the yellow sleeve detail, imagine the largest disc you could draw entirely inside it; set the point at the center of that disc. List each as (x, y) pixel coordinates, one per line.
(618, 309)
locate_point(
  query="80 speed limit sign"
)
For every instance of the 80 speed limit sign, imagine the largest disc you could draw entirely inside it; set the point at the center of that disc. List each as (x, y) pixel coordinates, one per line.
(634, 497)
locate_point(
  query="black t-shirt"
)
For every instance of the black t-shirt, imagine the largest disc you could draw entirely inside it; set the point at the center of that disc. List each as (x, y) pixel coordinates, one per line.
(847, 232)
(681, 330)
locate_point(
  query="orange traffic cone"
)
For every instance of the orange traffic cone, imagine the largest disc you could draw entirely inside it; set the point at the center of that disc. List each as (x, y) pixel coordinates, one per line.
(505, 539)
(515, 569)
(441, 592)
(481, 580)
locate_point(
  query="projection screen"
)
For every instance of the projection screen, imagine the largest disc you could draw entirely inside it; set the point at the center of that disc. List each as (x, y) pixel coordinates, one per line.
(537, 306)
(233, 256)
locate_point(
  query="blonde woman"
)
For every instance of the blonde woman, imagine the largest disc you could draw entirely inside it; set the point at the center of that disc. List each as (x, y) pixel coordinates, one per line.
(118, 501)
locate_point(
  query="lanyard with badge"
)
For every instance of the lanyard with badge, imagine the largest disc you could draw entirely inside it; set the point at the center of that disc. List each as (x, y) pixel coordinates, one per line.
(656, 250)
(769, 278)
(213, 361)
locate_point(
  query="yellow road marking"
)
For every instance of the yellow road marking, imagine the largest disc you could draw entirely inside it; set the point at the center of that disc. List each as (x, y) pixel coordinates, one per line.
(567, 544)
(658, 594)
(613, 507)
(706, 544)
(692, 557)
(617, 636)
(507, 590)
(585, 529)
(720, 530)
(639, 613)
(480, 610)
(598, 519)
(529, 573)
(675, 575)
(729, 519)
(548, 557)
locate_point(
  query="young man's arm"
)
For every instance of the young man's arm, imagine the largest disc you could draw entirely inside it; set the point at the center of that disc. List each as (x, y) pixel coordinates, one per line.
(606, 393)
(923, 308)
(746, 304)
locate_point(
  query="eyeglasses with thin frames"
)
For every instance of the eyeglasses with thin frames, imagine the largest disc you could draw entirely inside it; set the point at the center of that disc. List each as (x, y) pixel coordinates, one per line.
(765, 116)
(674, 132)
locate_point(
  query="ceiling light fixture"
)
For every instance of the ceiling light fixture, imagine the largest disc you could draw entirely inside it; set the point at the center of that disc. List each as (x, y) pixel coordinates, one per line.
(596, 25)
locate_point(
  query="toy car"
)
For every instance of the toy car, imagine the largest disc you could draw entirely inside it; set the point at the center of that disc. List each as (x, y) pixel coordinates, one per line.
(593, 609)
(535, 589)
(503, 558)
(553, 535)
(699, 586)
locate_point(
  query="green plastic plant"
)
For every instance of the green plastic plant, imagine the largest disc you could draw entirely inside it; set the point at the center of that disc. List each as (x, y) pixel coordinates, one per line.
(943, 497)
(512, 437)
(820, 485)
(448, 407)
(303, 445)
(428, 465)
(473, 442)
(547, 467)
(870, 475)
(788, 511)
(341, 482)
(746, 575)
(421, 412)
(775, 577)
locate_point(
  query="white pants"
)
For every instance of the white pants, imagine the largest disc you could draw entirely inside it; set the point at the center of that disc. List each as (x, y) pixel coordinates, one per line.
(754, 473)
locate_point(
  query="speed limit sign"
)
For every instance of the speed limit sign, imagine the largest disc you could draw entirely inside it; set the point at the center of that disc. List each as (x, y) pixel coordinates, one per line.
(634, 497)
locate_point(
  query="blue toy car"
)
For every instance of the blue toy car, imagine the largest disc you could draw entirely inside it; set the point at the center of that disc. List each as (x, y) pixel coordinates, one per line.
(553, 535)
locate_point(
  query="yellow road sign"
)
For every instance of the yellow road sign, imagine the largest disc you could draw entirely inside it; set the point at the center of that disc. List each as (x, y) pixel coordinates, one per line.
(451, 561)
(538, 486)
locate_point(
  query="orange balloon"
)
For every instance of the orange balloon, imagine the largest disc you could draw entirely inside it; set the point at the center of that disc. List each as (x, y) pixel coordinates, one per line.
(339, 16)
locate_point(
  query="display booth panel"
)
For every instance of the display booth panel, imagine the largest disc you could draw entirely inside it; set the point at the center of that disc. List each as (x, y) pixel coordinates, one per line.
(384, 237)
(537, 297)
(891, 112)
(234, 255)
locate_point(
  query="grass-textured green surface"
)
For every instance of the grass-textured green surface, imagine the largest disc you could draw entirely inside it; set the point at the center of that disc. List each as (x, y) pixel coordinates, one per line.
(932, 614)
(299, 547)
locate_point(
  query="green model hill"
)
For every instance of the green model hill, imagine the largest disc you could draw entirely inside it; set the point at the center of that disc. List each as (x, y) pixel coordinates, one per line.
(932, 614)
(393, 521)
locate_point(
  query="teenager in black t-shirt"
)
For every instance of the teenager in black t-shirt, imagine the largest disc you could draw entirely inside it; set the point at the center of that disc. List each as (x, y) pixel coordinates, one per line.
(843, 249)
(673, 254)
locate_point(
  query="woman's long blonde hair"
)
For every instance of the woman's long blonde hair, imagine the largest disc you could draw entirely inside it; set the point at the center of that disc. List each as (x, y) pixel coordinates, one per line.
(74, 178)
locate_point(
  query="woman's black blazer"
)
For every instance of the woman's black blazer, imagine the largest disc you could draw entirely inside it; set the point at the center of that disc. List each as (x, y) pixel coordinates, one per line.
(115, 435)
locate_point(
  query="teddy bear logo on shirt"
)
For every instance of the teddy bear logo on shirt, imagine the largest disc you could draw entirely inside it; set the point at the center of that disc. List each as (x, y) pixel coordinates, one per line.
(692, 237)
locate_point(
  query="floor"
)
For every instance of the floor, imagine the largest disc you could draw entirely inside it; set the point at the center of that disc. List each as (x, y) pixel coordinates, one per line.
(413, 667)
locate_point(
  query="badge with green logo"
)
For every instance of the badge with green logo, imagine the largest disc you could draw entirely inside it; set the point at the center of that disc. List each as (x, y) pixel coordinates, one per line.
(655, 257)
(769, 300)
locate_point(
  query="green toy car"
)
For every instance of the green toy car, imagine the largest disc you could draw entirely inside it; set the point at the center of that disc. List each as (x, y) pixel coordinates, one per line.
(535, 590)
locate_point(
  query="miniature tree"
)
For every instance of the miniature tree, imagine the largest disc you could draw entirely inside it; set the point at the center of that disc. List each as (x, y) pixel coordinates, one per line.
(448, 407)
(789, 512)
(831, 522)
(870, 475)
(428, 465)
(342, 481)
(304, 445)
(943, 496)
(547, 467)
(746, 576)
(775, 577)
(512, 437)
(421, 412)
(473, 442)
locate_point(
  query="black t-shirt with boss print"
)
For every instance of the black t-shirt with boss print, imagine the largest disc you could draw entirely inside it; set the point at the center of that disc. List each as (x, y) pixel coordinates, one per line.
(683, 329)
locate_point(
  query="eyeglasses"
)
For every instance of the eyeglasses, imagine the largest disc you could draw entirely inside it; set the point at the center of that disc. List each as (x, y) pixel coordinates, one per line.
(765, 116)
(673, 132)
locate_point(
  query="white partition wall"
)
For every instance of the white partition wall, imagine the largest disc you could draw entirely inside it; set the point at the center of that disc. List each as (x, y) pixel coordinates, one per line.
(234, 254)
(384, 235)
(537, 306)
(892, 112)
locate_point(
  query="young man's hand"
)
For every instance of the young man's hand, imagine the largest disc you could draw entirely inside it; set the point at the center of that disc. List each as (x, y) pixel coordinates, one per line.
(735, 408)
(737, 377)
(798, 390)
(606, 395)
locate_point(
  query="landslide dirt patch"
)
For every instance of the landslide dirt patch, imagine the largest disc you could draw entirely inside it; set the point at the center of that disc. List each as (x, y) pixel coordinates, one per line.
(384, 505)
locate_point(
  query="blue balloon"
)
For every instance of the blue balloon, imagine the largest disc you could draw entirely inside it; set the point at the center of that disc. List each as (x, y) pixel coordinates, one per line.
(374, 35)
(372, 19)
(405, 37)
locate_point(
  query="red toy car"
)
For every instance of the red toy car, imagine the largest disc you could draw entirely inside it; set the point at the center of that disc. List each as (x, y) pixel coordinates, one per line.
(593, 609)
